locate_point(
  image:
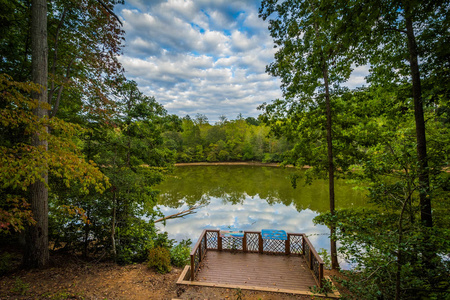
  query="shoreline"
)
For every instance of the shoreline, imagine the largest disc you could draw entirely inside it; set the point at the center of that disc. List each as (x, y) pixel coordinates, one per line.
(236, 163)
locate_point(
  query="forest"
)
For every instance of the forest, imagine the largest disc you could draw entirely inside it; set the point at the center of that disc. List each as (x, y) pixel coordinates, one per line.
(82, 148)
(243, 139)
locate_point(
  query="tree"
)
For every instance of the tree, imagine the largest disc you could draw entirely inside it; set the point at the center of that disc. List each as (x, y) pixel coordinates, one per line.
(201, 119)
(131, 152)
(75, 52)
(386, 244)
(23, 164)
(403, 44)
(310, 58)
(37, 254)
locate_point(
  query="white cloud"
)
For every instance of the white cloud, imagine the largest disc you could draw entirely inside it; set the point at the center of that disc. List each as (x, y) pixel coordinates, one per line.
(199, 56)
(357, 79)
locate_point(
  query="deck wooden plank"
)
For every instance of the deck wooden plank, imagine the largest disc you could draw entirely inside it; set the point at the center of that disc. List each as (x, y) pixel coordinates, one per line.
(269, 271)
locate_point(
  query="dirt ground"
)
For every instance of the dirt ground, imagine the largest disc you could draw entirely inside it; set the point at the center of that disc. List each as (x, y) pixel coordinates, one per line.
(71, 278)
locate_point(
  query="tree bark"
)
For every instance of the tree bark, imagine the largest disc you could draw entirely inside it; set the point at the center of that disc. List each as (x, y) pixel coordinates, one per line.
(333, 247)
(329, 126)
(424, 181)
(36, 253)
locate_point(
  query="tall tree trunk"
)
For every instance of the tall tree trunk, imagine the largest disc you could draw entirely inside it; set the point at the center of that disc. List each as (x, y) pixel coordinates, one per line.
(424, 181)
(36, 252)
(324, 66)
(333, 247)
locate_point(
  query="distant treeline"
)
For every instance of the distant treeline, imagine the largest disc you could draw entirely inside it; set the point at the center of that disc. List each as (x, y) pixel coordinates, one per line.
(243, 139)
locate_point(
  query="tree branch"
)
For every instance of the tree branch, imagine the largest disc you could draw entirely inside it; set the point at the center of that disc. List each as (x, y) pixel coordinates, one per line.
(109, 11)
(394, 29)
(55, 57)
(180, 214)
(58, 98)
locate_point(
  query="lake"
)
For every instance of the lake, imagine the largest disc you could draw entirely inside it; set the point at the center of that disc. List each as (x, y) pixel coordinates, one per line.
(249, 198)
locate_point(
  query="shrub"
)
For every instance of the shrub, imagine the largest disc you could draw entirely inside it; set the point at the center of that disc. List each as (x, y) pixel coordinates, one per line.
(159, 259)
(134, 240)
(180, 254)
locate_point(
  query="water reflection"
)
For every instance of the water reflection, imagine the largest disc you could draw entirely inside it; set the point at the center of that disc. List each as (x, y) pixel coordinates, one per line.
(248, 198)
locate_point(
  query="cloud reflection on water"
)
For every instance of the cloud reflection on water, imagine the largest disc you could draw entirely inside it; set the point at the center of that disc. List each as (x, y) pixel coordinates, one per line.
(253, 214)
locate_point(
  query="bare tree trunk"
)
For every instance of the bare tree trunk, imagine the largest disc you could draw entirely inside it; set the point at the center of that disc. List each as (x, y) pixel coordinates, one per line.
(36, 252)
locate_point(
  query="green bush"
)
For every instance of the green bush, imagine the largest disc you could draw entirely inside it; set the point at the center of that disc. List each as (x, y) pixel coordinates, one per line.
(159, 259)
(180, 254)
(134, 240)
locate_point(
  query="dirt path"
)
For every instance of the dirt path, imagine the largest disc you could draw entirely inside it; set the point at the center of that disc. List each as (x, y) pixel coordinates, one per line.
(70, 278)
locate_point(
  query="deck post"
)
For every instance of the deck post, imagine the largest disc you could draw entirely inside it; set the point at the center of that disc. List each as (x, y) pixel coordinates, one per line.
(260, 243)
(219, 242)
(200, 251)
(303, 244)
(287, 245)
(192, 267)
(244, 243)
(206, 245)
(321, 275)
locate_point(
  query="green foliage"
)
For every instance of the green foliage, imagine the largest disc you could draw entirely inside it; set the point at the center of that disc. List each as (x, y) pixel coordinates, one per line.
(232, 140)
(327, 287)
(377, 131)
(325, 257)
(180, 254)
(134, 239)
(159, 259)
(21, 163)
(132, 154)
(105, 135)
(370, 242)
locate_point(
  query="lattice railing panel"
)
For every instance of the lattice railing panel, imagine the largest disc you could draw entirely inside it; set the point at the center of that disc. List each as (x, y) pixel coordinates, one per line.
(231, 243)
(252, 242)
(203, 246)
(196, 259)
(212, 240)
(274, 246)
(296, 244)
(316, 267)
(307, 253)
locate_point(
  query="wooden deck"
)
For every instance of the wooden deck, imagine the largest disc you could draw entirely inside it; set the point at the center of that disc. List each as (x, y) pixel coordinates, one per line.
(251, 261)
(268, 271)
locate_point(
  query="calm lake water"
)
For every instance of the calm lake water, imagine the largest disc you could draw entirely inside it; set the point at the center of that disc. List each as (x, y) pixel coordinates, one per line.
(249, 198)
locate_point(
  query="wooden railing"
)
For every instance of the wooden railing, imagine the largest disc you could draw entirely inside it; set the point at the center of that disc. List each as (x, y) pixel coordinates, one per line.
(198, 253)
(313, 260)
(252, 242)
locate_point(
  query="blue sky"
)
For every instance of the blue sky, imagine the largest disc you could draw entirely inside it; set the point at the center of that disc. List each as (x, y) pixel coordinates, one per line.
(202, 56)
